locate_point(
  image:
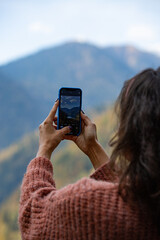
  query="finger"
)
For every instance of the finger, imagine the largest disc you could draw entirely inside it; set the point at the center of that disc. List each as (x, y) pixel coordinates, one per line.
(85, 119)
(53, 111)
(70, 137)
(82, 125)
(54, 122)
(64, 131)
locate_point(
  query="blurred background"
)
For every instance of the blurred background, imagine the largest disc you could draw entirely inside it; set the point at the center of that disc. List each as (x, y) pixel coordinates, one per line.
(92, 44)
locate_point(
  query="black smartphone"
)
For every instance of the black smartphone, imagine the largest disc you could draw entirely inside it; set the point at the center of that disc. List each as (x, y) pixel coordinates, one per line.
(69, 110)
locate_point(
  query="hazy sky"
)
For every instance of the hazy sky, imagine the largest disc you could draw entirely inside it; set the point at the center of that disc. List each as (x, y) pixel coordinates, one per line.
(29, 25)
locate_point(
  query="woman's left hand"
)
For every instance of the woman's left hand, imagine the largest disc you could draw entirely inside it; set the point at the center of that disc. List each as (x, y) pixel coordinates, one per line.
(49, 136)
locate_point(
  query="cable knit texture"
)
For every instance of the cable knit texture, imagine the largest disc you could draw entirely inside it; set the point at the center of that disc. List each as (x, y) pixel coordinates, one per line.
(89, 209)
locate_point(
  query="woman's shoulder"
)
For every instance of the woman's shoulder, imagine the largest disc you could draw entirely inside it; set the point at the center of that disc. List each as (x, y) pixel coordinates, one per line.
(86, 187)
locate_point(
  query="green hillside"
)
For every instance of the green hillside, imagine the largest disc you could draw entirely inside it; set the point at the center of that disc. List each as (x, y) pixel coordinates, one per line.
(13, 162)
(69, 163)
(8, 218)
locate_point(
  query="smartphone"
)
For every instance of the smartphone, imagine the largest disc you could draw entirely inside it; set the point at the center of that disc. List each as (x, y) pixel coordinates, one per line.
(69, 110)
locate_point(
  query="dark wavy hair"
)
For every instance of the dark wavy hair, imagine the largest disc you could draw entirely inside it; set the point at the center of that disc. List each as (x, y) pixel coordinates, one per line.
(136, 144)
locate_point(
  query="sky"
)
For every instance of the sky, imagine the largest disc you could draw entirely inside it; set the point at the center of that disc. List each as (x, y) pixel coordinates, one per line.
(32, 25)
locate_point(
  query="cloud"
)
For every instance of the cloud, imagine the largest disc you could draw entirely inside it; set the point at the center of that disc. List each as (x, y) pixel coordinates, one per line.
(141, 32)
(39, 27)
(80, 38)
(145, 36)
(154, 48)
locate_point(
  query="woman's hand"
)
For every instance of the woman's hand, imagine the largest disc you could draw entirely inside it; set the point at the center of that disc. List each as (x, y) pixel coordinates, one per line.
(88, 143)
(49, 136)
(88, 136)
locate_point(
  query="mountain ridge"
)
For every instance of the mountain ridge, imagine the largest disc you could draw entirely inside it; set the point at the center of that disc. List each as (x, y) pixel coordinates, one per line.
(34, 81)
(46, 48)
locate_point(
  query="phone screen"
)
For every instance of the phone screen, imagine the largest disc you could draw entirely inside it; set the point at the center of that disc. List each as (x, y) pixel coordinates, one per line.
(69, 109)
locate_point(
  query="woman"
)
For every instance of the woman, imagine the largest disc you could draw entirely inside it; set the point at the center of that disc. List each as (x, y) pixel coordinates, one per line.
(121, 199)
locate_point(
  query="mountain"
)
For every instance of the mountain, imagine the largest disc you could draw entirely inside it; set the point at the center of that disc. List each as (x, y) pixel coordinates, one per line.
(20, 112)
(70, 112)
(29, 86)
(100, 72)
(134, 58)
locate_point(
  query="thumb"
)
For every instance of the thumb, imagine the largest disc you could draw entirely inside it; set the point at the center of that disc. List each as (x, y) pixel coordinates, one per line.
(64, 131)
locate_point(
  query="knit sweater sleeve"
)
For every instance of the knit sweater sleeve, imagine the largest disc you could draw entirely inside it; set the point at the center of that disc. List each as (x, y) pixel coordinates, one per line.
(36, 188)
(105, 173)
(41, 205)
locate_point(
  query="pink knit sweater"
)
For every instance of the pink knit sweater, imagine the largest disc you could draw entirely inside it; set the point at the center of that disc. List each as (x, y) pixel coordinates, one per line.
(88, 209)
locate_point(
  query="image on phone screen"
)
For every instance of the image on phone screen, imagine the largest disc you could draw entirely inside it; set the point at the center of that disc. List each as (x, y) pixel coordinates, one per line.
(69, 110)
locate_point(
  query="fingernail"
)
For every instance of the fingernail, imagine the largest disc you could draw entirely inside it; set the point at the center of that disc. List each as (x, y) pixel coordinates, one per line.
(83, 112)
(56, 100)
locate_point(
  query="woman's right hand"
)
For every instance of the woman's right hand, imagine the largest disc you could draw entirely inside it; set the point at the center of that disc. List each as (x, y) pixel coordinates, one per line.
(88, 143)
(88, 136)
